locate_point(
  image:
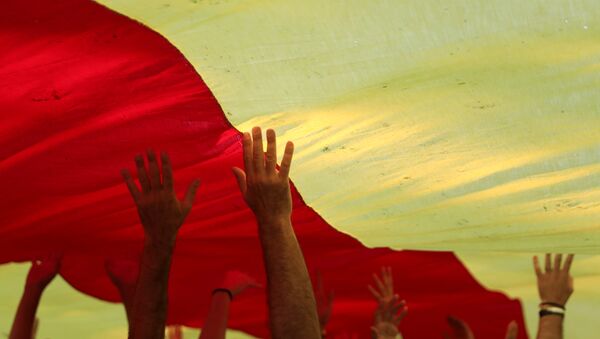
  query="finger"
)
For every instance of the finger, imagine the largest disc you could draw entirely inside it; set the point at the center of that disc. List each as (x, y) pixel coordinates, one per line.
(374, 292)
(398, 318)
(247, 146)
(512, 330)
(271, 151)
(131, 186)
(167, 172)
(389, 280)
(568, 262)
(188, 201)
(153, 170)
(557, 262)
(536, 266)
(240, 177)
(142, 173)
(258, 155)
(379, 283)
(286, 162)
(548, 263)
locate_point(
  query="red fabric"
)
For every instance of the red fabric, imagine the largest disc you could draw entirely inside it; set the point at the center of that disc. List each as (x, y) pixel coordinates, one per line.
(82, 90)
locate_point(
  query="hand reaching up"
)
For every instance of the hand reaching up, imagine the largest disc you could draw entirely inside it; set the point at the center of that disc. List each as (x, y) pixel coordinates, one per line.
(161, 213)
(265, 188)
(390, 310)
(555, 284)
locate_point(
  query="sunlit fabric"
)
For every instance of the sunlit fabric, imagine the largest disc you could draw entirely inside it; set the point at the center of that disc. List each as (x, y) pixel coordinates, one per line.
(83, 90)
(466, 125)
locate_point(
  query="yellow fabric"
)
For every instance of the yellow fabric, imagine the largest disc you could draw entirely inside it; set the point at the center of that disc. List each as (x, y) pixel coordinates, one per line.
(459, 125)
(469, 125)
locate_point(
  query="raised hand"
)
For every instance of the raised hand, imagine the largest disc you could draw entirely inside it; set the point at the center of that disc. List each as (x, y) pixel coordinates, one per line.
(161, 213)
(43, 271)
(555, 284)
(265, 188)
(390, 310)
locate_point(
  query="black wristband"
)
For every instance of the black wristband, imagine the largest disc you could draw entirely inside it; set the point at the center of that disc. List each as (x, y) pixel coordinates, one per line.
(223, 290)
(544, 313)
(552, 304)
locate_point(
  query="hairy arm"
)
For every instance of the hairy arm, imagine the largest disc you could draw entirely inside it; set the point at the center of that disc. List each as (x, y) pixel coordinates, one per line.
(40, 275)
(161, 214)
(292, 307)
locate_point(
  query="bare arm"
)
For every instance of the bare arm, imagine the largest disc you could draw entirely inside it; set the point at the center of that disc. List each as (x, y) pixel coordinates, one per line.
(161, 214)
(555, 286)
(40, 275)
(234, 283)
(292, 308)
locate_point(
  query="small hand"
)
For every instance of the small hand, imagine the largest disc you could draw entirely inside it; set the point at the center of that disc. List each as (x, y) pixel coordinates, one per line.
(390, 310)
(384, 294)
(324, 302)
(43, 271)
(555, 284)
(237, 282)
(161, 213)
(265, 189)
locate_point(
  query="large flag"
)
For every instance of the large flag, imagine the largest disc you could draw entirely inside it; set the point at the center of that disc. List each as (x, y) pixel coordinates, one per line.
(467, 126)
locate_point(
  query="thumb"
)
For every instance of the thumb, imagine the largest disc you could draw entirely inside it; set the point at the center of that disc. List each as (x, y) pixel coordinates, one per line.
(188, 201)
(240, 176)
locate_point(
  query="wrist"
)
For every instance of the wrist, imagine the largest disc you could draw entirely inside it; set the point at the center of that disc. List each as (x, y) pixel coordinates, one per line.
(273, 221)
(161, 245)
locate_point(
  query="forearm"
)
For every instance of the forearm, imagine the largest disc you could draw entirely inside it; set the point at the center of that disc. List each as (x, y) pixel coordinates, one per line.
(292, 307)
(550, 327)
(215, 325)
(24, 319)
(150, 302)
